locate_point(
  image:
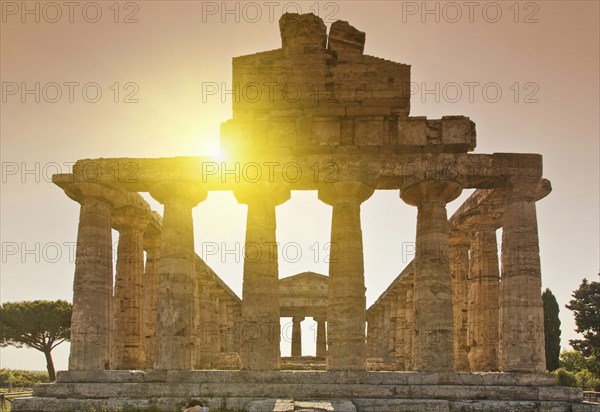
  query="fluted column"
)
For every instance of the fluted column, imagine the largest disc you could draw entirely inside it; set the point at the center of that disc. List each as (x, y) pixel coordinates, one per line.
(346, 305)
(434, 341)
(222, 323)
(386, 329)
(230, 327)
(128, 350)
(522, 318)
(393, 330)
(215, 342)
(401, 332)
(482, 315)
(459, 269)
(205, 328)
(379, 332)
(410, 331)
(175, 304)
(321, 337)
(152, 247)
(260, 335)
(297, 335)
(92, 284)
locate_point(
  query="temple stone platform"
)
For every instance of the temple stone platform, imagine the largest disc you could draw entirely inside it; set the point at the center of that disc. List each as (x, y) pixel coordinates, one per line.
(162, 390)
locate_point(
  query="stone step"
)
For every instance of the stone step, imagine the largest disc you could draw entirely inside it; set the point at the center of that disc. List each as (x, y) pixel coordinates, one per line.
(171, 404)
(314, 377)
(305, 390)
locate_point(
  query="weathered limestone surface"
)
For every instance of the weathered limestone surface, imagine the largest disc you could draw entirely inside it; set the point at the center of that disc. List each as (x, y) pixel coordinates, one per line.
(346, 127)
(522, 319)
(92, 285)
(174, 338)
(128, 350)
(297, 335)
(459, 269)
(152, 247)
(260, 294)
(321, 337)
(347, 304)
(235, 390)
(434, 326)
(484, 284)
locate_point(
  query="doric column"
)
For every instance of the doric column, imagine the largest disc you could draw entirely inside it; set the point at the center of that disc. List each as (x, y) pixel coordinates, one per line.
(152, 247)
(393, 302)
(434, 341)
(482, 315)
(128, 350)
(459, 269)
(260, 334)
(175, 304)
(379, 331)
(92, 285)
(297, 335)
(222, 322)
(401, 332)
(321, 337)
(370, 317)
(522, 319)
(237, 325)
(346, 305)
(410, 330)
(230, 327)
(215, 342)
(386, 329)
(205, 328)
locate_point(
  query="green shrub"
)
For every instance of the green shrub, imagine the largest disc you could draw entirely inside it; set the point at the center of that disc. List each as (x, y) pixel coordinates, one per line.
(565, 378)
(22, 378)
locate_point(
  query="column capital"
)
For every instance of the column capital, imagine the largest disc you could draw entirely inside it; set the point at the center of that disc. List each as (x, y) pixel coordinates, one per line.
(345, 191)
(528, 191)
(427, 191)
(273, 193)
(298, 319)
(190, 193)
(85, 191)
(319, 319)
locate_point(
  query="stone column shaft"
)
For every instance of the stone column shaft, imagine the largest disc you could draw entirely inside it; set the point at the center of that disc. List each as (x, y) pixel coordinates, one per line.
(410, 330)
(434, 328)
(230, 328)
(205, 328)
(150, 299)
(128, 347)
(175, 301)
(482, 315)
(223, 324)
(522, 318)
(401, 332)
(297, 335)
(321, 337)
(393, 328)
(459, 267)
(346, 307)
(260, 334)
(92, 285)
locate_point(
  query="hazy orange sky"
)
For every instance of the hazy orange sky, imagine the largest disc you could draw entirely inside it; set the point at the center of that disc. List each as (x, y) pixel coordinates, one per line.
(151, 59)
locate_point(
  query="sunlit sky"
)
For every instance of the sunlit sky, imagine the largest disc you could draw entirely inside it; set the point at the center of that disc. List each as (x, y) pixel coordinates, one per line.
(542, 56)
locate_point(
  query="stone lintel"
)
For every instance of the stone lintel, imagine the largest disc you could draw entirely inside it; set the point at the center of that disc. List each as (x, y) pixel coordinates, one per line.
(388, 171)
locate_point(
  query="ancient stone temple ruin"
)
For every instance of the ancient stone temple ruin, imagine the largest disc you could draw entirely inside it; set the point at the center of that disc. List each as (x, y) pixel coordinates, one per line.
(461, 328)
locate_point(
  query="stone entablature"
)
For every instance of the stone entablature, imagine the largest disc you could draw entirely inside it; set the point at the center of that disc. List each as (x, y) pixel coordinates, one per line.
(304, 294)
